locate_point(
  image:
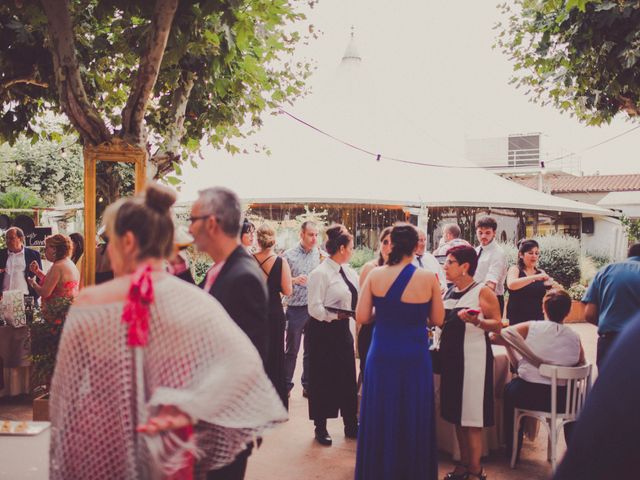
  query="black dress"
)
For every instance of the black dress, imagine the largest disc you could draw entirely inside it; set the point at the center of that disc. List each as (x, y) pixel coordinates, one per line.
(526, 303)
(274, 365)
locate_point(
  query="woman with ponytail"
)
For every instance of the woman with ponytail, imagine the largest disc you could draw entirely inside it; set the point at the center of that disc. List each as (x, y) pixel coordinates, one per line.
(142, 363)
(332, 296)
(397, 424)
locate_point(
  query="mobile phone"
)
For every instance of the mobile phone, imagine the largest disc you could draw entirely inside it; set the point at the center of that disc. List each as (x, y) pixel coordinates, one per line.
(473, 311)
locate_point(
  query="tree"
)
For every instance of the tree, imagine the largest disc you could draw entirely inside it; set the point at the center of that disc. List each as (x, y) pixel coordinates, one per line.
(19, 198)
(579, 55)
(165, 75)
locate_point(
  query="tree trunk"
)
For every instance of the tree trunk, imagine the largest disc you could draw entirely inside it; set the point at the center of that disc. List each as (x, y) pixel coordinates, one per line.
(133, 114)
(73, 98)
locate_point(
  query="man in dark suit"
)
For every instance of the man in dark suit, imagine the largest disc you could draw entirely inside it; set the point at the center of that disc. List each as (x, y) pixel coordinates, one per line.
(234, 280)
(14, 263)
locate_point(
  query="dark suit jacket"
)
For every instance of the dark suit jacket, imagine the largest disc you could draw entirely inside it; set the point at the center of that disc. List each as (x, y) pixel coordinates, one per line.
(242, 291)
(29, 256)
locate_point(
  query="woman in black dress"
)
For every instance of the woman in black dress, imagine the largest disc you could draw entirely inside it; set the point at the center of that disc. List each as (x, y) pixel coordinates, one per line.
(527, 285)
(278, 274)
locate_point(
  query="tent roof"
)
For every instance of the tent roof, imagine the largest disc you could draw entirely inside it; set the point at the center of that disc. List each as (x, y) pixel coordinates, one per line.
(307, 166)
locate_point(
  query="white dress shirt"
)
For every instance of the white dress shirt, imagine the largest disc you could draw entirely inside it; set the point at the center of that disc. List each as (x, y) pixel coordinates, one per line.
(327, 288)
(492, 266)
(14, 274)
(431, 264)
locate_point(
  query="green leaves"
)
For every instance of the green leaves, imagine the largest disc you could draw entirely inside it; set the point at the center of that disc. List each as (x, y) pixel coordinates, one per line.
(579, 55)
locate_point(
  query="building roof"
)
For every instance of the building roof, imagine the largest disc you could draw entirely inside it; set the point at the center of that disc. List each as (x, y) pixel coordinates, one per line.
(586, 184)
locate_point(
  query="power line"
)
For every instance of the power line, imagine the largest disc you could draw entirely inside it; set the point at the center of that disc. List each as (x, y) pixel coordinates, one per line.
(596, 145)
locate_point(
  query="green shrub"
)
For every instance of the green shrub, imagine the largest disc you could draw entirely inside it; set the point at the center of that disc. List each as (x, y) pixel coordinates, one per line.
(560, 258)
(361, 255)
(599, 259)
(577, 291)
(588, 269)
(510, 251)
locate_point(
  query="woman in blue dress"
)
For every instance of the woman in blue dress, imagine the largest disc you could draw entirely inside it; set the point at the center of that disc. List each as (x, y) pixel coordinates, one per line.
(397, 425)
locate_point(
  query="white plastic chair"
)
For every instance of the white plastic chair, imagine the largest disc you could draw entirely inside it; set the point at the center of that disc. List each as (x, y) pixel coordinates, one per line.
(578, 383)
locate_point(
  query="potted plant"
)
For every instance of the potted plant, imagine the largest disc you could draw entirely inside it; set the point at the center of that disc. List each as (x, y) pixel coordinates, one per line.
(576, 314)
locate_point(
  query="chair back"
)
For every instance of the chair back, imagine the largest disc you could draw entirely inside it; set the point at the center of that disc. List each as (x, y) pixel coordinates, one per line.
(578, 383)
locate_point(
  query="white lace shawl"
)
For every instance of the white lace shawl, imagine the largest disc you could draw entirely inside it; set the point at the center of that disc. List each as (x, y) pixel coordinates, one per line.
(197, 359)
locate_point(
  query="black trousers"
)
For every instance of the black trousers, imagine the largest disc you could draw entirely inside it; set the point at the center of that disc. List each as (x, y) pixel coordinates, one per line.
(235, 470)
(605, 341)
(519, 393)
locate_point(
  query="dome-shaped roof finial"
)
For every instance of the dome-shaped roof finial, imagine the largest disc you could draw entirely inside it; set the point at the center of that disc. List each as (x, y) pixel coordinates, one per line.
(351, 53)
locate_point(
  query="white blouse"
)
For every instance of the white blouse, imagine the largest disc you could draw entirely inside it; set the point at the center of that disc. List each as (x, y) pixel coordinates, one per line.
(327, 288)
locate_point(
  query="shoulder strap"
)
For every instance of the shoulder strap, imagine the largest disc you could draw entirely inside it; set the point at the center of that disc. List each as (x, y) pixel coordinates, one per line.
(400, 283)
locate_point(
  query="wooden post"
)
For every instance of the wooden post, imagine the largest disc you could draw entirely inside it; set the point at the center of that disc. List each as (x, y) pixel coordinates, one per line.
(116, 150)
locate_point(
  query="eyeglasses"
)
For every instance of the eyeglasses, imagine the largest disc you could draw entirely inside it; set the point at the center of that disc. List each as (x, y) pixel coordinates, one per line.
(198, 217)
(450, 262)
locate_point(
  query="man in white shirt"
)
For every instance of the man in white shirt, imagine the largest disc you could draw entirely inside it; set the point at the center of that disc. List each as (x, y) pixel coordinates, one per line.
(427, 261)
(14, 263)
(492, 262)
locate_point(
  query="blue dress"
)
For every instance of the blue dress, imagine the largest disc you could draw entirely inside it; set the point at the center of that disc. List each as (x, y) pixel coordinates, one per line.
(396, 439)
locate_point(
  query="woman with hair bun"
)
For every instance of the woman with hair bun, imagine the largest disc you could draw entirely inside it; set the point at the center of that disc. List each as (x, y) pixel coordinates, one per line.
(59, 286)
(146, 359)
(397, 424)
(332, 296)
(278, 274)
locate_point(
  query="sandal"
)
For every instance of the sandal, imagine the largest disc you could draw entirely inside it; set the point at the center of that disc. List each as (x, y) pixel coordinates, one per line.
(452, 475)
(480, 475)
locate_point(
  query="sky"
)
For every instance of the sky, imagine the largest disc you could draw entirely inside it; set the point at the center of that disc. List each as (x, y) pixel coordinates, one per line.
(430, 79)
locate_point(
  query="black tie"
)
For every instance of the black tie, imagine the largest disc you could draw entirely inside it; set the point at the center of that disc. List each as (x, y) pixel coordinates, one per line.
(479, 253)
(352, 289)
(419, 258)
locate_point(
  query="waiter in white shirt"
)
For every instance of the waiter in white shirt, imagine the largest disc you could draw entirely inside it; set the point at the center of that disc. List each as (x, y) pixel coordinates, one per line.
(14, 264)
(332, 294)
(492, 262)
(424, 259)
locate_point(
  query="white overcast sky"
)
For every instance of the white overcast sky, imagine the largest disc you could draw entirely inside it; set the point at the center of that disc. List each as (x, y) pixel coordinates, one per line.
(434, 62)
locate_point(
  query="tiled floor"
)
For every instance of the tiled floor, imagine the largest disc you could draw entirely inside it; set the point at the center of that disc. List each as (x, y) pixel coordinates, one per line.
(289, 451)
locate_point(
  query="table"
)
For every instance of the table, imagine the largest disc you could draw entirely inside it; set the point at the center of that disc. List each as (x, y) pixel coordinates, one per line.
(492, 437)
(15, 349)
(25, 457)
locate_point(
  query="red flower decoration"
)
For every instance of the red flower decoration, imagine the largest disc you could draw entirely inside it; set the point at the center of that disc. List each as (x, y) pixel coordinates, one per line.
(136, 308)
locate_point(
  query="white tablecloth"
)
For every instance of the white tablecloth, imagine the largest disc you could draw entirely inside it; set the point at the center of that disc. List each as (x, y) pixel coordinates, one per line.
(492, 437)
(25, 457)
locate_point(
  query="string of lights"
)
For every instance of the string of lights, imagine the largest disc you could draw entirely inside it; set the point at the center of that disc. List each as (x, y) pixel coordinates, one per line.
(379, 156)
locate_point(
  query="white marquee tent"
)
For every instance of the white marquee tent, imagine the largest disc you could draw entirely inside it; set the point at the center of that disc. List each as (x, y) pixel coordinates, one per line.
(307, 166)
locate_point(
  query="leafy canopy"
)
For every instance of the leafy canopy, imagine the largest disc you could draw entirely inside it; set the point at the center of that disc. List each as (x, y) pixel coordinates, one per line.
(579, 55)
(224, 63)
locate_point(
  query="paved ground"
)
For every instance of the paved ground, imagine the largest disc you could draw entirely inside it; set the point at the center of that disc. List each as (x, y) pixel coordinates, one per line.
(290, 453)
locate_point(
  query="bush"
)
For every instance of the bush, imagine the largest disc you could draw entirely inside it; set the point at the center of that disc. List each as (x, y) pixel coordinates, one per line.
(361, 255)
(577, 291)
(599, 259)
(560, 258)
(588, 269)
(510, 252)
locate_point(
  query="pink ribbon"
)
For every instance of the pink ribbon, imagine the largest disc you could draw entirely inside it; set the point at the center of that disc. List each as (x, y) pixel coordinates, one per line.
(136, 307)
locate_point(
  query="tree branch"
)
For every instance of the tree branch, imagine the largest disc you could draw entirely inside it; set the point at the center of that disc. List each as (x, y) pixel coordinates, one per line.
(170, 152)
(73, 97)
(133, 113)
